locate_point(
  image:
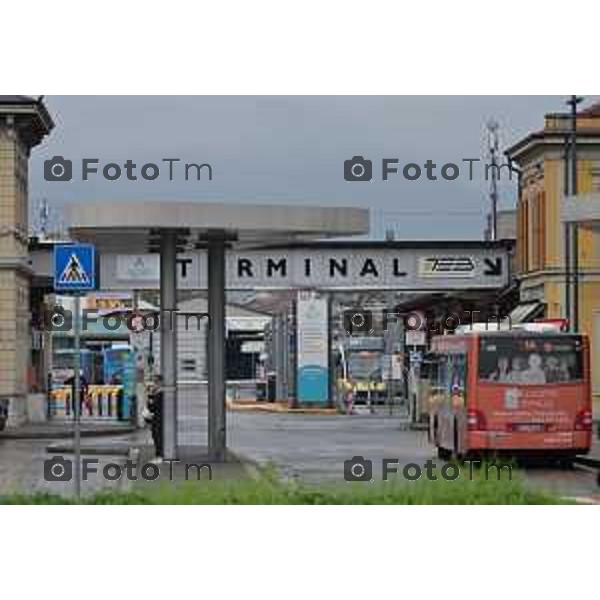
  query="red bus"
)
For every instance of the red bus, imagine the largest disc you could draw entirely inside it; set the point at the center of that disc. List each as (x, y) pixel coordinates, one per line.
(517, 392)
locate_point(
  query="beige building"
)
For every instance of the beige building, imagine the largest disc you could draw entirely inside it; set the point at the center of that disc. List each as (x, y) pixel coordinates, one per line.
(540, 222)
(24, 122)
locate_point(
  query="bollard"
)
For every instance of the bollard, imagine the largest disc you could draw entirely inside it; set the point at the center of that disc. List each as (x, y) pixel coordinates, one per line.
(98, 397)
(68, 402)
(120, 402)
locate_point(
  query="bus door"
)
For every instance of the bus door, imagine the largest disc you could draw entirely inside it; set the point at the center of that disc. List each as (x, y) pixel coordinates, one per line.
(452, 389)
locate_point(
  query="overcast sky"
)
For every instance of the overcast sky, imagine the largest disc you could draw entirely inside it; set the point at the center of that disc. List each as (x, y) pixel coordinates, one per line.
(291, 150)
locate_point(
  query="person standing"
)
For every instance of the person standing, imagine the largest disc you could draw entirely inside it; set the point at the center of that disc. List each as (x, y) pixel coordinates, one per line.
(155, 407)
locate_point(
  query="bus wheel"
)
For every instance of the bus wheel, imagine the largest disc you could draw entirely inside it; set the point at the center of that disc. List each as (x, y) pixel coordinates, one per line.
(567, 464)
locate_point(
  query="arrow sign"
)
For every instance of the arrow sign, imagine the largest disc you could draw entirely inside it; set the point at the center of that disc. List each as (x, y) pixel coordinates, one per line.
(493, 267)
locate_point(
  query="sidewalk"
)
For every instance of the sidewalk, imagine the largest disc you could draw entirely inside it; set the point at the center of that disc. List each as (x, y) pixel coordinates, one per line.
(234, 467)
(279, 406)
(64, 429)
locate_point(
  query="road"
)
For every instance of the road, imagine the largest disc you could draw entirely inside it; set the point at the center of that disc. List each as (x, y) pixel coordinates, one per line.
(312, 447)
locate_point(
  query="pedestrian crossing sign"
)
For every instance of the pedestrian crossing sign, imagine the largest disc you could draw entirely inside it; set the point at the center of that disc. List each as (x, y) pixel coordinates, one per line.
(74, 267)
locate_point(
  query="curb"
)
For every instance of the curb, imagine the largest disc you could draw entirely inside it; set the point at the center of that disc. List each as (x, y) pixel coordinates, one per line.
(278, 407)
(59, 434)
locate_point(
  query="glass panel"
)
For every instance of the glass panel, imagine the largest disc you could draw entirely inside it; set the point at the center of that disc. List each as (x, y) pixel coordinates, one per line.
(531, 360)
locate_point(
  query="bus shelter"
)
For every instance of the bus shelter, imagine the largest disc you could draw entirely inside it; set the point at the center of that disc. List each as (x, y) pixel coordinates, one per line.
(172, 227)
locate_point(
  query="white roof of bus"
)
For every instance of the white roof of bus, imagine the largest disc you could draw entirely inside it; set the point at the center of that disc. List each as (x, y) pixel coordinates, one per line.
(505, 325)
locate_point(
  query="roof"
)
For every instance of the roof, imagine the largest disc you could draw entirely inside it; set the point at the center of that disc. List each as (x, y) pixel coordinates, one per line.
(399, 244)
(130, 226)
(557, 134)
(31, 114)
(509, 333)
(16, 99)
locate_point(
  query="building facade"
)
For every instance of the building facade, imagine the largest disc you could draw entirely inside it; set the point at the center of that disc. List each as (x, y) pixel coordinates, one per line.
(24, 122)
(540, 259)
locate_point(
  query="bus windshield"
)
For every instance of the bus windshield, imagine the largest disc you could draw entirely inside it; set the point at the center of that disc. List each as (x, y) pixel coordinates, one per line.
(364, 365)
(531, 360)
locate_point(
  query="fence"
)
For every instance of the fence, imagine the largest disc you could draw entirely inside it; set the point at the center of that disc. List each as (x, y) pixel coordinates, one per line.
(99, 401)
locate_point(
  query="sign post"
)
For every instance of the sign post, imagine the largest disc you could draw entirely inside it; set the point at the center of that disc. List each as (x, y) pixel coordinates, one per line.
(76, 395)
(312, 355)
(75, 273)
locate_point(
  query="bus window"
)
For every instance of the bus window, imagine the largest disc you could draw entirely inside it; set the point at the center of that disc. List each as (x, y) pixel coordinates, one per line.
(364, 365)
(531, 360)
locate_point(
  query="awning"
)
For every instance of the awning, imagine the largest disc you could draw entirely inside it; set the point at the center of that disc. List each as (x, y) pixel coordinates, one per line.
(526, 312)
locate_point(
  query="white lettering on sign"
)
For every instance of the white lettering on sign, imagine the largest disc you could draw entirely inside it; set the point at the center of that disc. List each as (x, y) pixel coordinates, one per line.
(446, 266)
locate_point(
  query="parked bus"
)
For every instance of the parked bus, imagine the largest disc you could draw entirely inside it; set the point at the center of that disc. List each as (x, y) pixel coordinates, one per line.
(520, 392)
(361, 369)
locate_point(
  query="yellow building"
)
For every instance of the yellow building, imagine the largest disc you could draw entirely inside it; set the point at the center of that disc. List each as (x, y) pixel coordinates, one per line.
(24, 121)
(540, 260)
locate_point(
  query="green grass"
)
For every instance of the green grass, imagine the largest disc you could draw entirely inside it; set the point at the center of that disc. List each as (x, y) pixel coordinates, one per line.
(268, 489)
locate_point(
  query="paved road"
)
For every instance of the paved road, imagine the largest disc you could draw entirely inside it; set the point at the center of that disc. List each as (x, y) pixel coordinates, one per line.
(22, 466)
(313, 447)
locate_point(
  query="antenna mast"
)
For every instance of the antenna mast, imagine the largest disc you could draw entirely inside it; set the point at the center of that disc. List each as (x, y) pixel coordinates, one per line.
(493, 148)
(44, 217)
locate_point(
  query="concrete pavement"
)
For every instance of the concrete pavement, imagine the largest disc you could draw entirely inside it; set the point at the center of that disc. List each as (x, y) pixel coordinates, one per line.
(312, 447)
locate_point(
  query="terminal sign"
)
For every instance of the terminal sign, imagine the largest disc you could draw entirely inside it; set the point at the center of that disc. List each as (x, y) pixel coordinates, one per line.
(323, 268)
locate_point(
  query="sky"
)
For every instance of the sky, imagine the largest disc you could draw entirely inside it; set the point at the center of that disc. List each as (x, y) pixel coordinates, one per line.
(291, 150)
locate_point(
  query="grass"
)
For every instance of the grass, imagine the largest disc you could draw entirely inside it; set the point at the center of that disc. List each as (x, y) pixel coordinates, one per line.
(268, 489)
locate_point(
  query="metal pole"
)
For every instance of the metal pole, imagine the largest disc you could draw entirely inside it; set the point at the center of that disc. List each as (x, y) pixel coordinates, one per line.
(575, 229)
(572, 237)
(216, 356)
(76, 392)
(280, 358)
(168, 341)
(285, 393)
(573, 102)
(567, 234)
(575, 241)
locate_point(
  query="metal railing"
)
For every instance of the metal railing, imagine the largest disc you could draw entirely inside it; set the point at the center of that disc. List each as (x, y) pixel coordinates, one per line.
(98, 401)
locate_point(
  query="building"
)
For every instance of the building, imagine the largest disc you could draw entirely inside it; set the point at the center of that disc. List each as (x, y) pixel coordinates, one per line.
(506, 226)
(24, 122)
(540, 260)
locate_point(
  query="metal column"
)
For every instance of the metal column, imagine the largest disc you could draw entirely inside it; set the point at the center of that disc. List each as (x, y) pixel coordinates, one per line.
(285, 361)
(168, 341)
(217, 442)
(280, 357)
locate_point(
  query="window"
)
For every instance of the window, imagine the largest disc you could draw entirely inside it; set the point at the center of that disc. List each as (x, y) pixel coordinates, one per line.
(595, 179)
(531, 360)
